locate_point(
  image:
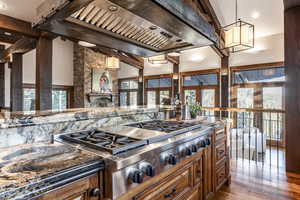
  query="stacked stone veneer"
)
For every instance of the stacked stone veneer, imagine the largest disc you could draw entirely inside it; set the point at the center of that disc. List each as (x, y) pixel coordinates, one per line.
(84, 59)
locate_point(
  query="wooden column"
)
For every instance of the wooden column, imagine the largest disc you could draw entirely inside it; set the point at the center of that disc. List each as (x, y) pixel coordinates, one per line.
(225, 84)
(176, 80)
(2, 81)
(16, 83)
(140, 96)
(292, 98)
(44, 74)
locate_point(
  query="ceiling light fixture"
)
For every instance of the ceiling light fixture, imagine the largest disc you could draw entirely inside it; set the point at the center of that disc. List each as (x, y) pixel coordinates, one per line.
(112, 8)
(239, 36)
(156, 60)
(112, 63)
(174, 54)
(3, 6)
(255, 15)
(86, 44)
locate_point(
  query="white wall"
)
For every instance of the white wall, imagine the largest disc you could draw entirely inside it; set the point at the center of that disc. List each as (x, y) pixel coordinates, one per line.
(62, 72)
(127, 71)
(150, 69)
(267, 49)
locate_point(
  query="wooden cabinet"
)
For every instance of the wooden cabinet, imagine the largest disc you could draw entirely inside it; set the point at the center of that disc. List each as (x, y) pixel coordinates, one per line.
(174, 187)
(220, 157)
(89, 188)
(208, 187)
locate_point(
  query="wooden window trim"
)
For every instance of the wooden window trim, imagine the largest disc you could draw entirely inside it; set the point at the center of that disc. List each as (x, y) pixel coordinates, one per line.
(257, 66)
(69, 89)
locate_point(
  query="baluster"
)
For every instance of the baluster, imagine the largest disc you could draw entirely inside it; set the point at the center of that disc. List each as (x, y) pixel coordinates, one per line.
(270, 140)
(243, 141)
(277, 139)
(249, 136)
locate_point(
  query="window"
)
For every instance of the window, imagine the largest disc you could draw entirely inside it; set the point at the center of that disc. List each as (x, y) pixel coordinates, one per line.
(245, 97)
(259, 75)
(201, 87)
(201, 79)
(190, 96)
(158, 91)
(29, 99)
(151, 98)
(60, 97)
(128, 90)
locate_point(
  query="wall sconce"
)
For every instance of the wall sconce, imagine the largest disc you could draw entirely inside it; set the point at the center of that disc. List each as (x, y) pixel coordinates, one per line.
(141, 79)
(175, 76)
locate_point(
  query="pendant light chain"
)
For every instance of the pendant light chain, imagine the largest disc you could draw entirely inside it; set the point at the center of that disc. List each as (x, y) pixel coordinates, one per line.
(236, 10)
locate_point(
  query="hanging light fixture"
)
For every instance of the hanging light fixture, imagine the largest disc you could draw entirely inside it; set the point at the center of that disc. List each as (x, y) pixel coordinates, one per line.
(155, 60)
(112, 63)
(238, 36)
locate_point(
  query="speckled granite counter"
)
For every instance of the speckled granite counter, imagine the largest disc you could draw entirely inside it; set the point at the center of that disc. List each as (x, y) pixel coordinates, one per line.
(26, 128)
(29, 168)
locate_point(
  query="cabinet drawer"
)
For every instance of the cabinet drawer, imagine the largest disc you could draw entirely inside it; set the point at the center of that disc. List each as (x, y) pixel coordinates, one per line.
(221, 175)
(173, 187)
(220, 151)
(220, 134)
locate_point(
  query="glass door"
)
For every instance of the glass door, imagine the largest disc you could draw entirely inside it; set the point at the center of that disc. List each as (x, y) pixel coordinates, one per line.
(151, 98)
(189, 96)
(208, 100)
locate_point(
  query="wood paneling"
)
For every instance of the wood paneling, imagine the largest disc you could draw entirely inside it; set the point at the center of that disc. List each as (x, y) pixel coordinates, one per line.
(44, 74)
(292, 99)
(175, 81)
(16, 83)
(2, 81)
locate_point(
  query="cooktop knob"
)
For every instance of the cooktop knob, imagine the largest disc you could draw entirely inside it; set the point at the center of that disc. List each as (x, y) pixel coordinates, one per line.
(207, 141)
(202, 143)
(136, 176)
(188, 151)
(150, 171)
(172, 160)
(194, 148)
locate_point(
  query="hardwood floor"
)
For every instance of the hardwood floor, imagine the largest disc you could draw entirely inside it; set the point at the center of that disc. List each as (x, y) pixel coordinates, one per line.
(255, 181)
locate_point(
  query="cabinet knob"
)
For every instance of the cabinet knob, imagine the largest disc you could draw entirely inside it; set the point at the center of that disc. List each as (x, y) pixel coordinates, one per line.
(137, 176)
(95, 192)
(172, 160)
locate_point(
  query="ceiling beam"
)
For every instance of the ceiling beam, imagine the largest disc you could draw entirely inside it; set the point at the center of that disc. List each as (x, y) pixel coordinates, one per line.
(13, 25)
(290, 3)
(205, 6)
(173, 59)
(22, 46)
(124, 57)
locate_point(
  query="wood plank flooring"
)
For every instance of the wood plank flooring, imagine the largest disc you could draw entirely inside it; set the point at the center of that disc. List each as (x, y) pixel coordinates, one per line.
(256, 181)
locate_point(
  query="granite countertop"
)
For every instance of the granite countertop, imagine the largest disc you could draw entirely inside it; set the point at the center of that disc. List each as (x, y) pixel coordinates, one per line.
(20, 119)
(26, 164)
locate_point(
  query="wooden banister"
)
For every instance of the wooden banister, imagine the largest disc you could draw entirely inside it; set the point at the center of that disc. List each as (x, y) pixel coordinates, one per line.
(244, 109)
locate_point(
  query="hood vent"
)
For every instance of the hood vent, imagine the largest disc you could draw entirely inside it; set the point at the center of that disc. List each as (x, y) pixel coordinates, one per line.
(145, 24)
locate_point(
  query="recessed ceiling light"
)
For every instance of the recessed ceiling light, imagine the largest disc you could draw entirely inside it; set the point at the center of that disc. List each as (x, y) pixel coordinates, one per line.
(3, 6)
(86, 44)
(7, 33)
(255, 15)
(197, 58)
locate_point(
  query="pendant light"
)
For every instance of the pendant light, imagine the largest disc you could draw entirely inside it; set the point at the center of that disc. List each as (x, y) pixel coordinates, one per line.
(112, 63)
(238, 36)
(156, 60)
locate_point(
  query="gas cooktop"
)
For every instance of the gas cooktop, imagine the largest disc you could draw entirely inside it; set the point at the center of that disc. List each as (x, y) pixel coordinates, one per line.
(102, 140)
(165, 126)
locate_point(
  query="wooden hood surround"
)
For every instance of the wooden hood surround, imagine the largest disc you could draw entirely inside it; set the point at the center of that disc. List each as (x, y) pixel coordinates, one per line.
(140, 27)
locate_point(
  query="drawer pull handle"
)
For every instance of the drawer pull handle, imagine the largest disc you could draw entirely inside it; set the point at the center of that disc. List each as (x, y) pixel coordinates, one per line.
(170, 194)
(221, 151)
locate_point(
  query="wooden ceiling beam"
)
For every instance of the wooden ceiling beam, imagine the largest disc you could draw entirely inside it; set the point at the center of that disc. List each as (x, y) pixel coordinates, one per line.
(173, 59)
(23, 45)
(13, 25)
(290, 3)
(124, 57)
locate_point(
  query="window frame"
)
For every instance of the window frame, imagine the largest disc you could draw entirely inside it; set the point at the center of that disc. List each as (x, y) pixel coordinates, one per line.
(157, 90)
(201, 87)
(68, 89)
(127, 91)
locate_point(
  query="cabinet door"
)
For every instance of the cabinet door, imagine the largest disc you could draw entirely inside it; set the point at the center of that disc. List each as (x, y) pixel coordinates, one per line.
(208, 187)
(198, 171)
(83, 189)
(194, 195)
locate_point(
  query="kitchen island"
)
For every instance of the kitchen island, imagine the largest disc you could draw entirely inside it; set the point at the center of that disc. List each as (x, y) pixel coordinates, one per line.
(141, 157)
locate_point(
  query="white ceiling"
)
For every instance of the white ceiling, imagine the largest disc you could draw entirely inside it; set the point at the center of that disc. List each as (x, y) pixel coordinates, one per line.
(269, 22)
(21, 9)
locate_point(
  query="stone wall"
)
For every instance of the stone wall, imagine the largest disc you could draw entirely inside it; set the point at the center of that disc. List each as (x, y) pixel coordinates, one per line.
(84, 60)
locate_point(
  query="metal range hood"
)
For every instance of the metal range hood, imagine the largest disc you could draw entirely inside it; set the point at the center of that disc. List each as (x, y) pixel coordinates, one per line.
(141, 27)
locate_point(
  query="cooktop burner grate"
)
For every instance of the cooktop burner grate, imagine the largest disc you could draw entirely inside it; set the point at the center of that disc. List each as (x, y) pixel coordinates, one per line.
(102, 140)
(165, 126)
